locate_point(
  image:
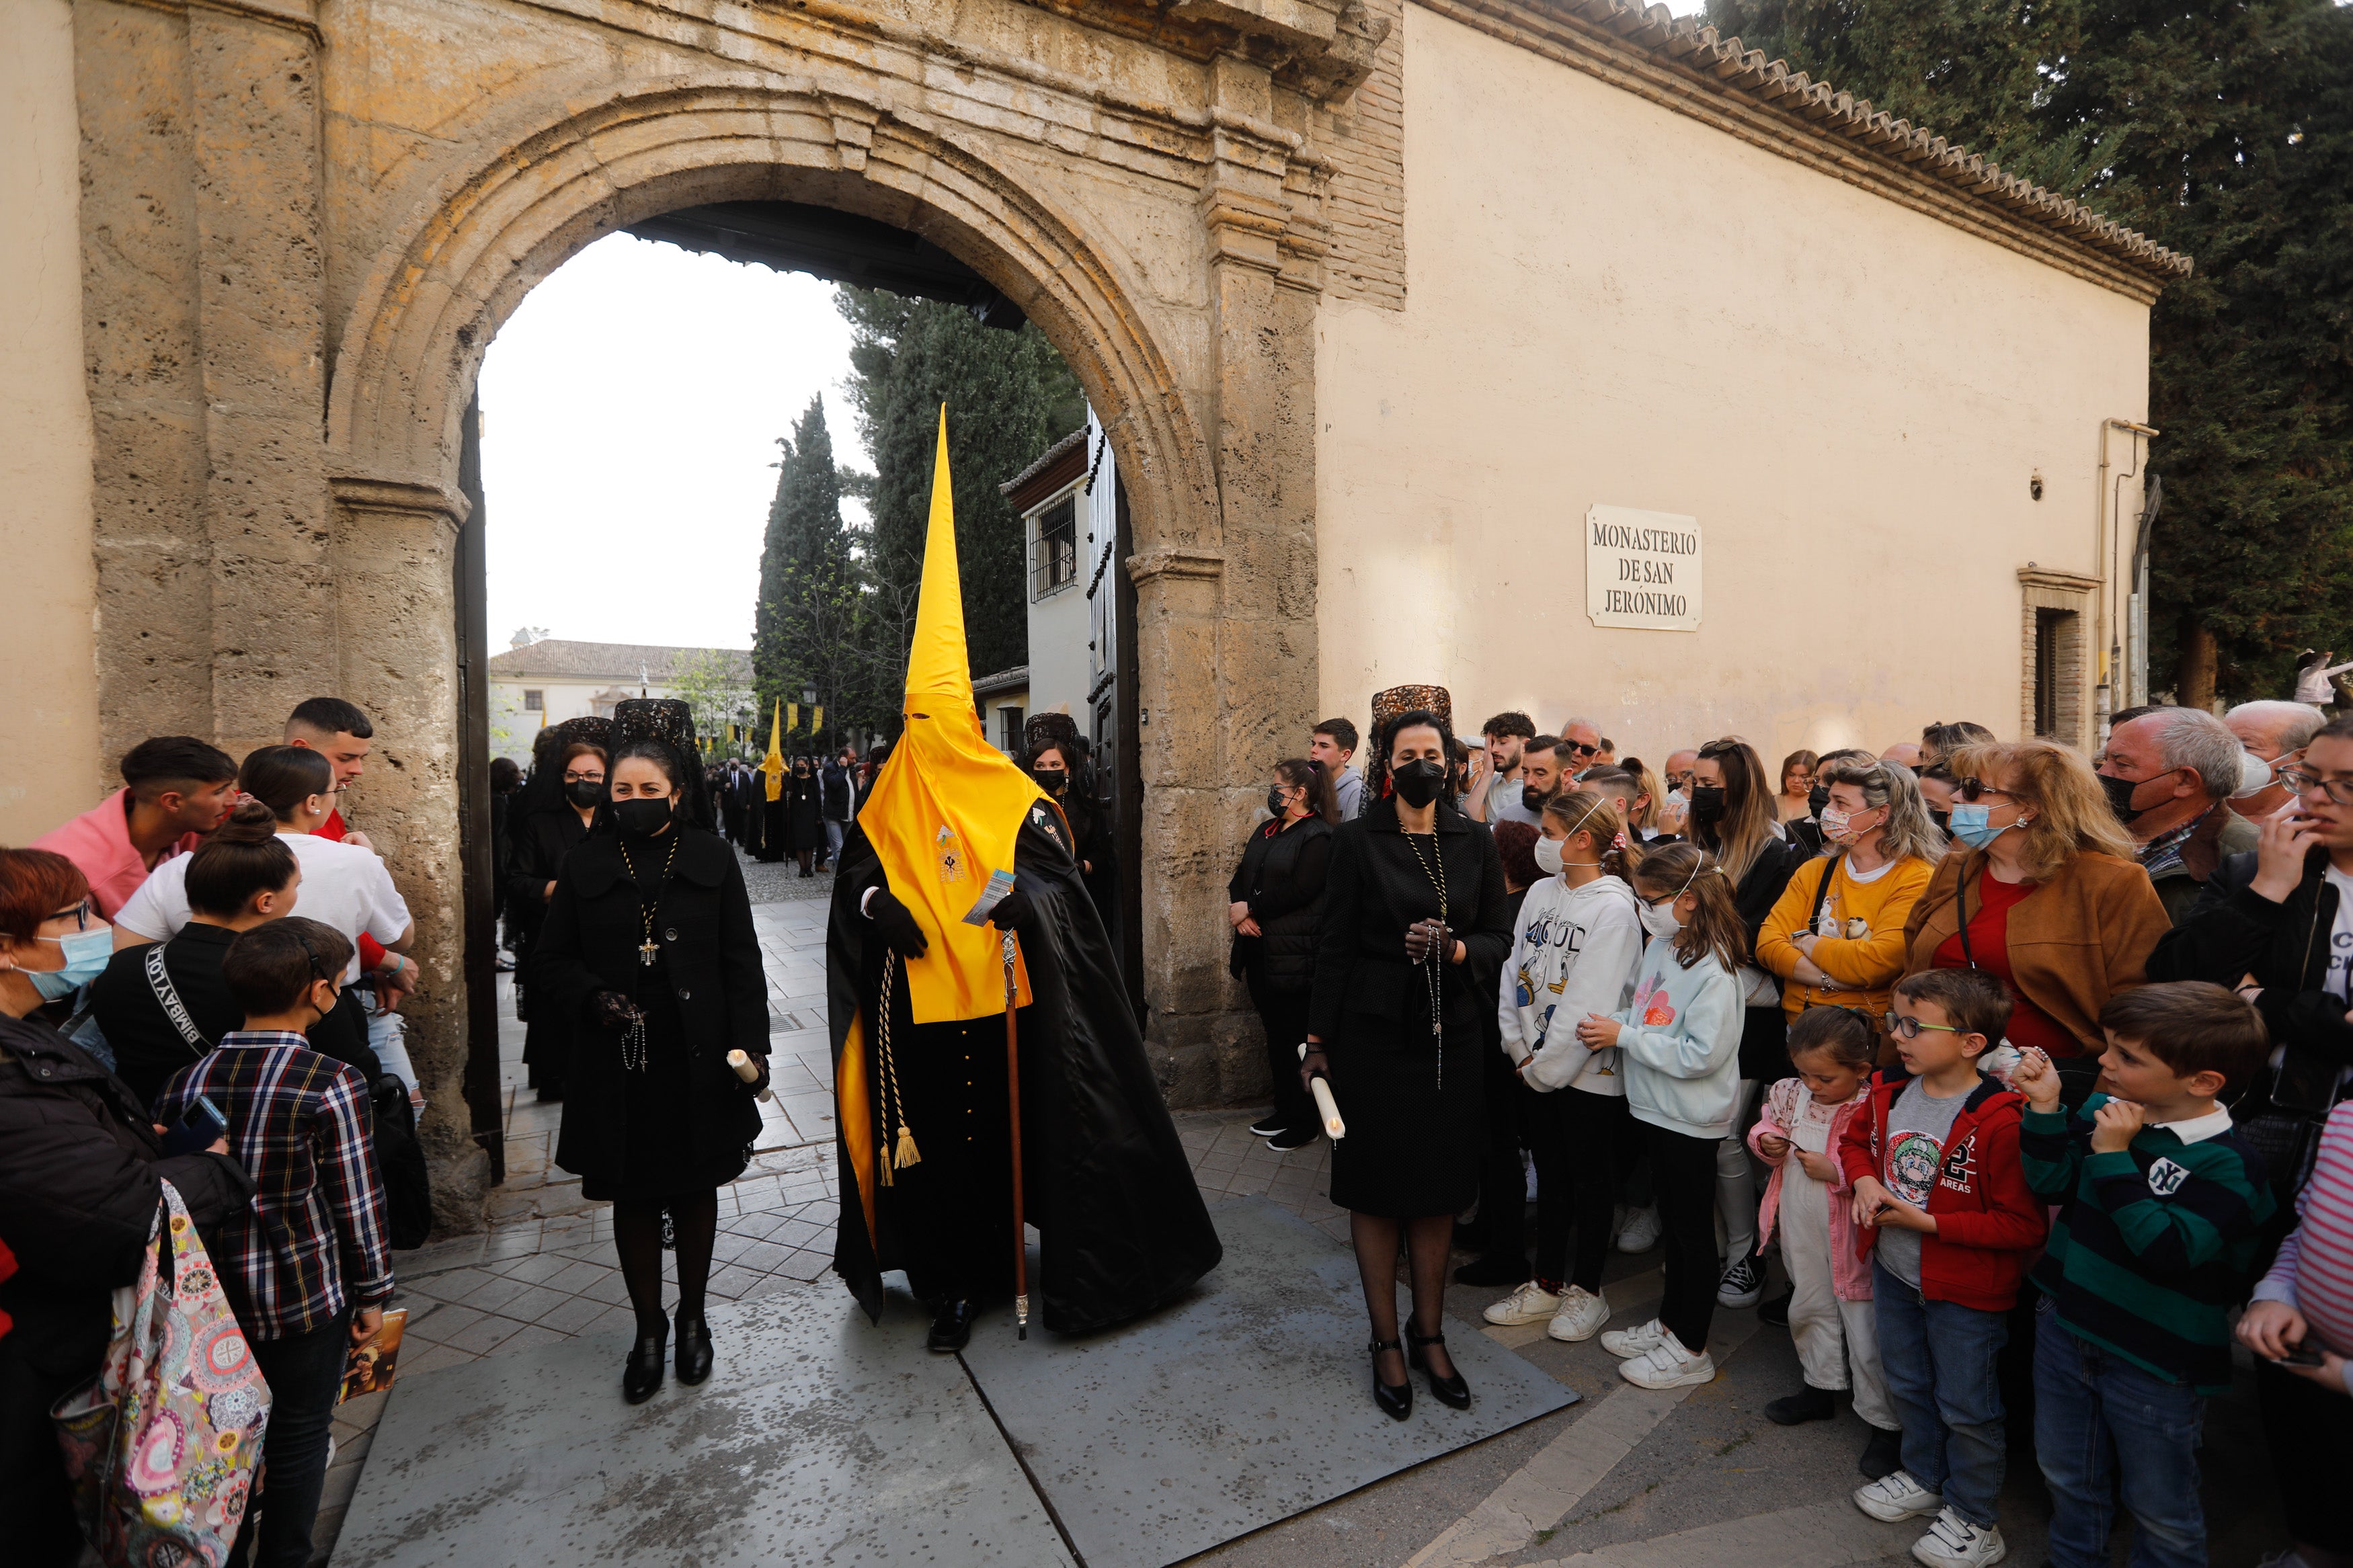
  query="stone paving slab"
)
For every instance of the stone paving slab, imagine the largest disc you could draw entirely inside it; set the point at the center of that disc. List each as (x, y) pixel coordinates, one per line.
(818, 1440)
(1234, 1408)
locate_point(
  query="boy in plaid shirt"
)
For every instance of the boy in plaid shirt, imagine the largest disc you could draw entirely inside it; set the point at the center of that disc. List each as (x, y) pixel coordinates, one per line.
(306, 1267)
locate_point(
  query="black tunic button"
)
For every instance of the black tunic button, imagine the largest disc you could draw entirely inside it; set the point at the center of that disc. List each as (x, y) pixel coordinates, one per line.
(684, 994)
(670, 935)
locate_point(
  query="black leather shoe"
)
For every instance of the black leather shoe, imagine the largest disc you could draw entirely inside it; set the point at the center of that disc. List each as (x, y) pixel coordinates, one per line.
(694, 1348)
(1450, 1390)
(643, 1373)
(1396, 1399)
(1496, 1269)
(1809, 1403)
(952, 1329)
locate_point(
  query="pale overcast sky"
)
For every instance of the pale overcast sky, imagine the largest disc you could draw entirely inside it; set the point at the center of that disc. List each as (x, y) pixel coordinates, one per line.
(630, 410)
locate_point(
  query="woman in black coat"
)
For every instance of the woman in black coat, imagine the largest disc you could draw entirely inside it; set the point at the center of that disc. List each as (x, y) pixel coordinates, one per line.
(649, 952)
(80, 1174)
(1415, 926)
(543, 839)
(804, 815)
(1275, 902)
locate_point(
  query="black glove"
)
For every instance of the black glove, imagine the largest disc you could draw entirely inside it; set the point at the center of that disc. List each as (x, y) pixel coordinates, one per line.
(613, 1010)
(896, 925)
(1424, 936)
(1012, 911)
(1316, 1064)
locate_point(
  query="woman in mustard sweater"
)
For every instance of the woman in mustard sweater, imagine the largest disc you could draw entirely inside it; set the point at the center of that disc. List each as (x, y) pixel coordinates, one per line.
(1836, 936)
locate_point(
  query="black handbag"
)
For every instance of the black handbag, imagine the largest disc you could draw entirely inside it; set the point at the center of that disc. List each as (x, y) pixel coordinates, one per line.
(400, 1165)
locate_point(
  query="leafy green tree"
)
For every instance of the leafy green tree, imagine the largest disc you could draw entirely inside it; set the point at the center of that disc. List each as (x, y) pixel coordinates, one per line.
(2223, 132)
(1009, 397)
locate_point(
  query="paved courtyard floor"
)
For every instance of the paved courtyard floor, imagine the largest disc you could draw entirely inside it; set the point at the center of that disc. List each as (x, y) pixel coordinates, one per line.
(1692, 1479)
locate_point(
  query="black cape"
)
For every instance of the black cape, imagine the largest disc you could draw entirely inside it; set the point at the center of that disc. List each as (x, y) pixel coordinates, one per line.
(1106, 1180)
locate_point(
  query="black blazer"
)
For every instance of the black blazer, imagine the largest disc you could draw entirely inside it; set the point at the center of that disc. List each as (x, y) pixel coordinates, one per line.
(1374, 889)
(540, 842)
(703, 921)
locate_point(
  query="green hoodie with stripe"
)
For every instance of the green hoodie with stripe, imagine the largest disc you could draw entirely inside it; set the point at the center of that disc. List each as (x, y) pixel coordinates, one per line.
(2153, 1244)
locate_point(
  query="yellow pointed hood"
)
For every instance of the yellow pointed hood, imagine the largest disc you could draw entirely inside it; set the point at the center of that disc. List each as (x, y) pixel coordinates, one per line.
(947, 806)
(773, 764)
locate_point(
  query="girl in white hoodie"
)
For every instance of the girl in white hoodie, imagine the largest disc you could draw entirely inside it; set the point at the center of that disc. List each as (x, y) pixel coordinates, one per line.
(1678, 1044)
(1580, 934)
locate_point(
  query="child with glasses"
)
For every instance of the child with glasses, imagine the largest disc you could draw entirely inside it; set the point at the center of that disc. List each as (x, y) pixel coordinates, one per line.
(1938, 1186)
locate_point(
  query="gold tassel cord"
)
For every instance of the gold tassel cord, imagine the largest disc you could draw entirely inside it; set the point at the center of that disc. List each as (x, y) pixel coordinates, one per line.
(895, 1108)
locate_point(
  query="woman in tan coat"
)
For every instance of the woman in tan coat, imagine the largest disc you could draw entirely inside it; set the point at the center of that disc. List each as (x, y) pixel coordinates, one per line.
(2057, 904)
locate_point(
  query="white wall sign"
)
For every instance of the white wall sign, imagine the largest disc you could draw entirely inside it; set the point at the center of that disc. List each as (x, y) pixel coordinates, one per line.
(1641, 569)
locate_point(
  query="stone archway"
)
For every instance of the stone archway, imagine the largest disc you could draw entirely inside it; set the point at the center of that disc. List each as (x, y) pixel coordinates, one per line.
(301, 225)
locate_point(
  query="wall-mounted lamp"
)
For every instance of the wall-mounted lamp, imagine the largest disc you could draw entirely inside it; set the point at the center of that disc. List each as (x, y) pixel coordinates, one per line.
(2034, 485)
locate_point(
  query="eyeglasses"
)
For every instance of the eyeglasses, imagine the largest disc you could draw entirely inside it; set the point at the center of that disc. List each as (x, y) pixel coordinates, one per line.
(1974, 790)
(1581, 749)
(2298, 782)
(78, 914)
(1908, 1027)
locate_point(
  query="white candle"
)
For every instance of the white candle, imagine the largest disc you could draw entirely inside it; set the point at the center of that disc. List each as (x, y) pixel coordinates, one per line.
(748, 1070)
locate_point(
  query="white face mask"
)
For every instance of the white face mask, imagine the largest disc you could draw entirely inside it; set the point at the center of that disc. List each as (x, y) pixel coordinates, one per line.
(1660, 920)
(1547, 853)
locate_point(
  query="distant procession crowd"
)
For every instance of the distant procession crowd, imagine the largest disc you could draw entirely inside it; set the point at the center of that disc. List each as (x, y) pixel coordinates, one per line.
(2032, 1071)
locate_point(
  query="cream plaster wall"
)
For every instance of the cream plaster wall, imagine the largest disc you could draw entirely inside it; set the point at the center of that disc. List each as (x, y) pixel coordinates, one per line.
(1611, 303)
(49, 761)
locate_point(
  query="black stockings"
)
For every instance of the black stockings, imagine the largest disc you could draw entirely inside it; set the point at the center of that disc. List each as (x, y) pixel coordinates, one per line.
(636, 1232)
(1427, 1240)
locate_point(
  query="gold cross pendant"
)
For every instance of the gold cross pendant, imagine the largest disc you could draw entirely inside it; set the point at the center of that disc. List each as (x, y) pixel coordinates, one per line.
(648, 952)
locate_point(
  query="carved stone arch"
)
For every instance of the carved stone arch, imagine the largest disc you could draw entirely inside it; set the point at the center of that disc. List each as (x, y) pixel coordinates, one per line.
(414, 341)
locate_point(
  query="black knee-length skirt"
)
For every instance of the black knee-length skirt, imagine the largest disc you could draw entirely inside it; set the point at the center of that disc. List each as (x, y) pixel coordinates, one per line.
(1417, 1128)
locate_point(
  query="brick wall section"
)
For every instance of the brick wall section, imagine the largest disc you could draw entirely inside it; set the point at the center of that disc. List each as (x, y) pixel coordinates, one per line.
(1366, 201)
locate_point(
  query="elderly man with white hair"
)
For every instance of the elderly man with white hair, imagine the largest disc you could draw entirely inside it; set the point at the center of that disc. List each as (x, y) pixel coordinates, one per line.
(2274, 734)
(2168, 775)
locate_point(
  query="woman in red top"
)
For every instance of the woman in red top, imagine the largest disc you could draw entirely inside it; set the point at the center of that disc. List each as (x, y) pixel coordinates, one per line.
(2057, 904)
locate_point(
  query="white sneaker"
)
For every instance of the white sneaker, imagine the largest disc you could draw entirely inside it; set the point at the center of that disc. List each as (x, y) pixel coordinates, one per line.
(1582, 1313)
(1531, 1303)
(1954, 1542)
(1640, 1340)
(1642, 1232)
(1668, 1365)
(1896, 1495)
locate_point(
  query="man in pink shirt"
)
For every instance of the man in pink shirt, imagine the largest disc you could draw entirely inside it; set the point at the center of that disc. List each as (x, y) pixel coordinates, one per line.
(175, 788)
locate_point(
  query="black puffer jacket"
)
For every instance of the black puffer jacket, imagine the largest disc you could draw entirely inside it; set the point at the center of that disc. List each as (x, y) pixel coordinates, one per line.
(1282, 879)
(80, 1174)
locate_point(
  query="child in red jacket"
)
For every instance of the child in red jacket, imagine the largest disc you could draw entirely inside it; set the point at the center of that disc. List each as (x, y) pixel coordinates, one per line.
(1944, 1208)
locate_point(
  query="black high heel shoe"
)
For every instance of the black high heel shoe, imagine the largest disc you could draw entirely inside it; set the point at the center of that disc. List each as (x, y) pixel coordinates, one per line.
(694, 1348)
(1396, 1399)
(643, 1372)
(1449, 1390)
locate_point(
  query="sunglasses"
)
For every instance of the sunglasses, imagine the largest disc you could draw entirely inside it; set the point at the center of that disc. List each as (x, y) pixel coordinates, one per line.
(1582, 750)
(1907, 1028)
(1974, 790)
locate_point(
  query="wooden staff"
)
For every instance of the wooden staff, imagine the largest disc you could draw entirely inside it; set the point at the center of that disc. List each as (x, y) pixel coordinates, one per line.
(1013, 1108)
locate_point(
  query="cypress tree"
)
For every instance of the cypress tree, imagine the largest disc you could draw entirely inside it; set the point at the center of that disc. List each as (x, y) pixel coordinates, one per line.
(1009, 397)
(804, 620)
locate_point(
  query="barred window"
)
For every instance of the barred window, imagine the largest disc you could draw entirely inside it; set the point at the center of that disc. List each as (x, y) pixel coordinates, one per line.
(534, 701)
(1054, 558)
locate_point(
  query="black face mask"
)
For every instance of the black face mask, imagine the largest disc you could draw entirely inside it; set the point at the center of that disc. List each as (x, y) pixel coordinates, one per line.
(1274, 799)
(1417, 783)
(1053, 781)
(586, 794)
(1708, 803)
(1817, 797)
(641, 816)
(1943, 819)
(1533, 797)
(2120, 794)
